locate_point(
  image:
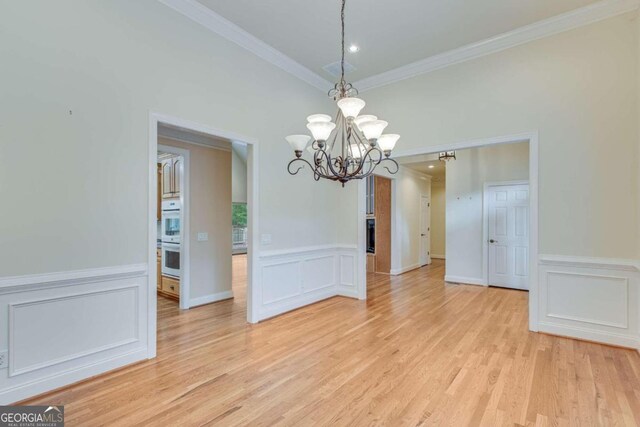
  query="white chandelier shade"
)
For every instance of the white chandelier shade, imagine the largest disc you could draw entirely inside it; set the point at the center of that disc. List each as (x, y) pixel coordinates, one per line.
(319, 118)
(388, 142)
(351, 107)
(298, 142)
(364, 118)
(373, 129)
(321, 130)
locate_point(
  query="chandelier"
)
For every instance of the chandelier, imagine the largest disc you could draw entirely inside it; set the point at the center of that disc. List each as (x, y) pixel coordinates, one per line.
(352, 146)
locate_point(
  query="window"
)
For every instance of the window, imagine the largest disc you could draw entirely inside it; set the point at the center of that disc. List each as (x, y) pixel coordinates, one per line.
(239, 227)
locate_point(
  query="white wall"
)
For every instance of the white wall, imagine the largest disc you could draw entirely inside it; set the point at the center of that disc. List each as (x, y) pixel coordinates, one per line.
(238, 177)
(132, 58)
(438, 219)
(466, 177)
(209, 211)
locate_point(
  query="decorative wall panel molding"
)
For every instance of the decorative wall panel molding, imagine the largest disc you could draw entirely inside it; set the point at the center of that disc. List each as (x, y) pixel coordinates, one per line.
(67, 326)
(294, 278)
(590, 298)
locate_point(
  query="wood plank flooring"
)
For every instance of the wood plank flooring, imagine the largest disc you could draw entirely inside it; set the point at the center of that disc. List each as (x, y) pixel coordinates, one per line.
(417, 352)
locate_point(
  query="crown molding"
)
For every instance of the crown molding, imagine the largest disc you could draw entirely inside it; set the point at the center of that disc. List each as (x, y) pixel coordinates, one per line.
(567, 21)
(221, 26)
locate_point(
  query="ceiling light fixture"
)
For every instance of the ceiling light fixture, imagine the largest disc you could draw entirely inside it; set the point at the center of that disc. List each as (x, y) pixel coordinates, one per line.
(445, 156)
(354, 48)
(350, 148)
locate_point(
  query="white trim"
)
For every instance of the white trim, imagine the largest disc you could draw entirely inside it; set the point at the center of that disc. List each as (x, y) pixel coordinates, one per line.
(548, 27)
(437, 256)
(465, 280)
(221, 26)
(208, 299)
(71, 376)
(485, 223)
(10, 284)
(361, 221)
(420, 219)
(532, 138)
(303, 250)
(398, 271)
(185, 220)
(587, 262)
(589, 334)
(252, 203)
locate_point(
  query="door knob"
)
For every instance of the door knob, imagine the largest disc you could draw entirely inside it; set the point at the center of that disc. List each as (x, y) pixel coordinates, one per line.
(493, 241)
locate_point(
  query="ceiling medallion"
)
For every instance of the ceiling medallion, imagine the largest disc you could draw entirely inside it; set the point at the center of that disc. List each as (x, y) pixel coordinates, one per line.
(445, 156)
(349, 148)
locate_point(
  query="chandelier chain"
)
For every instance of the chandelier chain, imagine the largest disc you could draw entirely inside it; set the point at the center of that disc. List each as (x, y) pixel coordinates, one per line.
(342, 60)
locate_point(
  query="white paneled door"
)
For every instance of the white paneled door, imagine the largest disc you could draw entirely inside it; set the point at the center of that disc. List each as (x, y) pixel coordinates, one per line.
(425, 230)
(508, 232)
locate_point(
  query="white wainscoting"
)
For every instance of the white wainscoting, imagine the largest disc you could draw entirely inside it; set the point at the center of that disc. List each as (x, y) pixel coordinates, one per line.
(590, 298)
(294, 278)
(64, 327)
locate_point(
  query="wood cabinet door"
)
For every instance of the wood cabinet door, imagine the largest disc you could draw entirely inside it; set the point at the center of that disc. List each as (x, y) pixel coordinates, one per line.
(171, 285)
(176, 170)
(159, 193)
(167, 178)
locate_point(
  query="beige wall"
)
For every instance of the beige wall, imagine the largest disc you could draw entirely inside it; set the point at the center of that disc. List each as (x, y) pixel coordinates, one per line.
(210, 212)
(438, 218)
(579, 90)
(466, 177)
(79, 182)
(238, 178)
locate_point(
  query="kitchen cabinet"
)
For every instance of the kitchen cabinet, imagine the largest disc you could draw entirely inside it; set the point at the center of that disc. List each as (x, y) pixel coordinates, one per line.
(171, 286)
(171, 177)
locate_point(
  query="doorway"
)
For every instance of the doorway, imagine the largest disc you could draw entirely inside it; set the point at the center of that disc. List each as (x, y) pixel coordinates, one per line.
(532, 209)
(200, 237)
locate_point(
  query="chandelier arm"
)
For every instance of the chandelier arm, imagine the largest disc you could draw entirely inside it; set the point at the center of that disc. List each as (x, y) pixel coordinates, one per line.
(298, 159)
(388, 159)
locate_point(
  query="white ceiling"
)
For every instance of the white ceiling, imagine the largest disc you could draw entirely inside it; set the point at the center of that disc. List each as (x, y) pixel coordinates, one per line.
(389, 33)
(426, 163)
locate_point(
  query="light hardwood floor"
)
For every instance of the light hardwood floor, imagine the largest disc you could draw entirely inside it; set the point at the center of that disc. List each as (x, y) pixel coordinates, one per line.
(417, 352)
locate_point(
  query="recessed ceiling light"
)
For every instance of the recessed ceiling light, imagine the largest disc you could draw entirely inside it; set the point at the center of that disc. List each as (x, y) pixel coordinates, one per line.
(431, 166)
(353, 48)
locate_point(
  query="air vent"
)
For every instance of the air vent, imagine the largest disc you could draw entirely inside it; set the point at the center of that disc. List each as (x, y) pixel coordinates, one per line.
(334, 68)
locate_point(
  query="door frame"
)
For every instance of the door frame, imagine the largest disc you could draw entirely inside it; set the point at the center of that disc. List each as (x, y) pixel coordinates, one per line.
(428, 248)
(485, 224)
(533, 139)
(185, 237)
(253, 277)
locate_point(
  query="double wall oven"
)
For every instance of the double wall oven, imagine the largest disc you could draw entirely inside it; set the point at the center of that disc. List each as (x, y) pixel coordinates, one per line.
(170, 236)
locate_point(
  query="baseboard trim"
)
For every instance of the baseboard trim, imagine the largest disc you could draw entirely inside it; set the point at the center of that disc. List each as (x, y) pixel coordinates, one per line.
(208, 299)
(465, 280)
(72, 376)
(296, 303)
(398, 271)
(437, 256)
(592, 335)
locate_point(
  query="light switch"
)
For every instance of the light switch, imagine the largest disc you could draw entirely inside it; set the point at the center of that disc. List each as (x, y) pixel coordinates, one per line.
(265, 239)
(203, 236)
